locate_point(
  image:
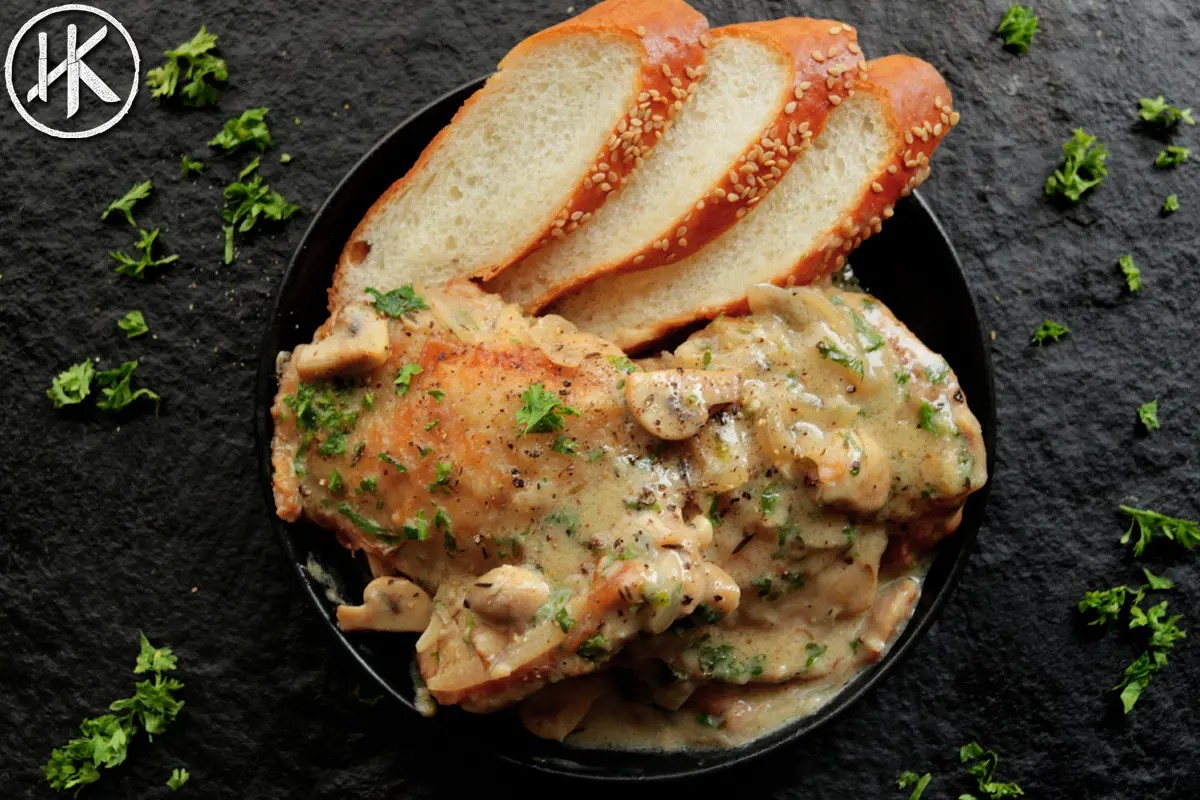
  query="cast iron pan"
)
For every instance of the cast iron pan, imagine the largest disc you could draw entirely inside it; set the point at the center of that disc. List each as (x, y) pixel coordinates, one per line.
(938, 307)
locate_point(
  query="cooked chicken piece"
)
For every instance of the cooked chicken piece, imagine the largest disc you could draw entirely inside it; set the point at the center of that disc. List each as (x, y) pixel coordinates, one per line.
(557, 503)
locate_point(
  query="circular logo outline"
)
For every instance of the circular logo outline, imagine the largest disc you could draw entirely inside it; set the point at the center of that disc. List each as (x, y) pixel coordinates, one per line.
(46, 129)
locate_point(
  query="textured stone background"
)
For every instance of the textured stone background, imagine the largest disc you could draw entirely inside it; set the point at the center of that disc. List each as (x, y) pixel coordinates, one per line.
(111, 525)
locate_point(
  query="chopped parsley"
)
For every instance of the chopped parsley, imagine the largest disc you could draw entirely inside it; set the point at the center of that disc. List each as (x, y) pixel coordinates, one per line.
(125, 205)
(432, 424)
(200, 70)
(831, 352)
(442, 482)
(622, 363)
(179, 777)
(1018, 27)
(1171, 204)
(706, 720)
(722, 663)
(1173, 156)
(707, 359)
(436, 394)
(1083, 167)
(136, 268)
(714, 511)
(542, 412)
(367, 486)
(397, 302)
(190, 166)
(813, 651)
(404, 377)
(984, 772)
(762, 584)
(416, 528)
(1148, 414)
(389, 459)
(1133, 275)
(1049, 330)
(441, 521)
(336, 484)
(362, 523)
(593, 647)
(768, 500)
(565, 445)
(106, 738)
(250, 128)
(114, 385)
(1150, 524)
(918, 783)
(133, 323)
(72, 385)
(868, 334)
(246, 204)
(334, 444)
(1158, 111)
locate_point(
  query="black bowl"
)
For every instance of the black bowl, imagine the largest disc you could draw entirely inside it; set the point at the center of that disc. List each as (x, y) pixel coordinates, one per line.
(938, 308)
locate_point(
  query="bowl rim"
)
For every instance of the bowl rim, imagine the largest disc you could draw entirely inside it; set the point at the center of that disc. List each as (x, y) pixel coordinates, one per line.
(789, 734)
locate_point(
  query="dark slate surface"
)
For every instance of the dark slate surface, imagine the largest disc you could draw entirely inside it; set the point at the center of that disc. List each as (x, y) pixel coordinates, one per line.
(111, 525)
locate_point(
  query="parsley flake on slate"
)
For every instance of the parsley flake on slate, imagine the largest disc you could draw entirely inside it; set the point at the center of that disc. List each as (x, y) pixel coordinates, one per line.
(190, 166)
(1150, 524)
(178, 778)
(128, 201)
(404, 377)
(1159, 112)
(542, 412)
(918, 783)
(1133, 275)
(133, 323)
(194, 63)
(1163, 635)
(397, 302)
(249, 128)
(106, 738)
(1018, 27)
(137, 268)
(246, 203)
(1049, 330)
(1171, 204)
(984, 771)
(1148, 414)
(72, 385)
(114, 384)
(1173, 156)
(1082, 169)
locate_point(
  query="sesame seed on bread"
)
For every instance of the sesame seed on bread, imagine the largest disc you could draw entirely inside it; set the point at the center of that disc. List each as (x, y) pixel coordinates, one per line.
(529, 154)
(874, 150)
(765, 95)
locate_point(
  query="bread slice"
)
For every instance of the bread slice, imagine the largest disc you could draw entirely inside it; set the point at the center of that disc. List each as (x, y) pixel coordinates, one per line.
(765, 93)
(531, 148)
(874, 150)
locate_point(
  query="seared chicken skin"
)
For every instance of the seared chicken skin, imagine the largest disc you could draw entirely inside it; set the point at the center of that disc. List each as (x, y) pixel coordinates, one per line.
(555, 500)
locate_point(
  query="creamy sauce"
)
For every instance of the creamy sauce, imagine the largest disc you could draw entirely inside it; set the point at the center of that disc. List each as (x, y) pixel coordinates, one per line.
(735, 531)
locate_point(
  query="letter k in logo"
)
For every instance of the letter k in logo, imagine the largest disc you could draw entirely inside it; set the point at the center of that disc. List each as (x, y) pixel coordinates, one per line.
(75, 70)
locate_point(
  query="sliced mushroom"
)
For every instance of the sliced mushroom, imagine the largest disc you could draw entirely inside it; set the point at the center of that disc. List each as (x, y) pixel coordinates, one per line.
(508, 594)
(675, 404)
(389, 604)
(854, 472)
(357, 344)
(722, 593)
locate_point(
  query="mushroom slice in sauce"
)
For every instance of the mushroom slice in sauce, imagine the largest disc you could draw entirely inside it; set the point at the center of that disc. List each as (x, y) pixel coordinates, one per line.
(675, 404)
(358, 343)
(894, 606)
(389, 604)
